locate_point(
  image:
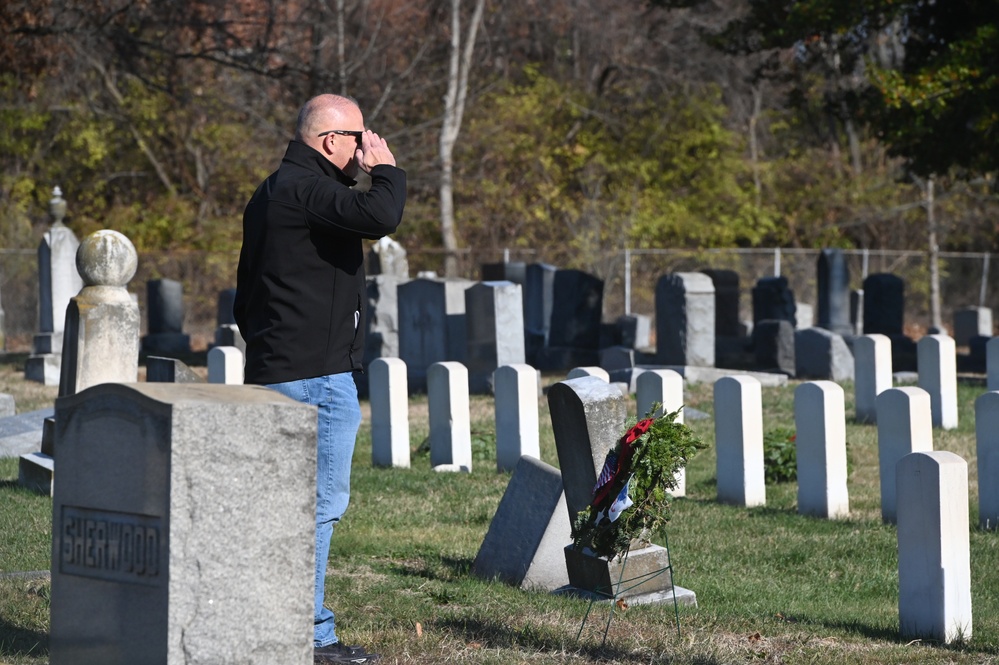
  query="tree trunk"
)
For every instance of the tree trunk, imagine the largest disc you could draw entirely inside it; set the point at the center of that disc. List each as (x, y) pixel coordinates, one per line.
(454, 108)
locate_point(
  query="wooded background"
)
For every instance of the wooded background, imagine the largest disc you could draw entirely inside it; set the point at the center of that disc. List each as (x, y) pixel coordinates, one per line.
(579, 126)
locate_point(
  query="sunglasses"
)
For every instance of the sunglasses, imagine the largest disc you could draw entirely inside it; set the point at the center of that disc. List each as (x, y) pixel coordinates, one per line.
(346, 132)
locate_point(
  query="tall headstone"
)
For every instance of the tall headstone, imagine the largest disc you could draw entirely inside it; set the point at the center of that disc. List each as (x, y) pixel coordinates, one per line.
(685, 319)
(972, 322)
(904, 426)
(820, 428)
(872, 369)
(388, 267)
(516, 409)
(494, 317)
(226, 331)
(225, 365)
(574, 327)
(822, 354)
(389, 413)
(149, 560)
(665, 387)
(726, 284)
(588, 416)
(834, 292)
(165, 319)
(884, 304)
(432, 325)
(934, 553)
(987, 449)
(224, 304)
(539, 297)
(739, 441)
(101, 340)
(938, 377)
(388, 257)
(773, 300)
(528, 532)
(992, 363)
(58, 281)
(450, 426)
(774, 346)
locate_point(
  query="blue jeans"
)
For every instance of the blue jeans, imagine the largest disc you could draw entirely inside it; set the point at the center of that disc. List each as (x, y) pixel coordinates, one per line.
(339, 418)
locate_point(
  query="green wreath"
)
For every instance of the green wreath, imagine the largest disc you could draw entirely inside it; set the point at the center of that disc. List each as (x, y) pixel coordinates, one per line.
(631, 499)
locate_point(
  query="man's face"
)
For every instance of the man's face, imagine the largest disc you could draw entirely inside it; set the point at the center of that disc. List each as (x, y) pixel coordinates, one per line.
(342, 147)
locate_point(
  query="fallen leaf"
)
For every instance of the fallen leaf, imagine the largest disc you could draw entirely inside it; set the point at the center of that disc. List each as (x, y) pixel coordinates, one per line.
(419, 629)
(475, 645)
(755, 637)
(621, 605)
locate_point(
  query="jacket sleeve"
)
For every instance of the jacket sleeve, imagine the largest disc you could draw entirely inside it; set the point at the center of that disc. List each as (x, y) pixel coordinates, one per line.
(371, 214)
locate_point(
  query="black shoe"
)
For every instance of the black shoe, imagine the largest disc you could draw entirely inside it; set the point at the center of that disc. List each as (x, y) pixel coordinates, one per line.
(341, 653)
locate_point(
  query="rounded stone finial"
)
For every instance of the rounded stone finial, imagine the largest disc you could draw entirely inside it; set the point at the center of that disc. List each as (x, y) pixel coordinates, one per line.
(106, 258)
(57, 206)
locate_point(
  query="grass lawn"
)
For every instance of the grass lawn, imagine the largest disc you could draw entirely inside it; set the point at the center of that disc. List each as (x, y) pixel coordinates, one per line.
(772, 586)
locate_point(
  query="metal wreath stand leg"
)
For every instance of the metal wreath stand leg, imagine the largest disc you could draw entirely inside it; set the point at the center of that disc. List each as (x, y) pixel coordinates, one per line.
(620, 589)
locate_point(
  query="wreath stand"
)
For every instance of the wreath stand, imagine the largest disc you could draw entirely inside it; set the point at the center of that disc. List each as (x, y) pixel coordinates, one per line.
(624, 585)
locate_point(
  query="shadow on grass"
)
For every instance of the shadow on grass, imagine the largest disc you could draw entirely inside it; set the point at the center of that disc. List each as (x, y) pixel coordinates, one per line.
(17, 641)
(444, 569)
(891, 635)
(495, 635)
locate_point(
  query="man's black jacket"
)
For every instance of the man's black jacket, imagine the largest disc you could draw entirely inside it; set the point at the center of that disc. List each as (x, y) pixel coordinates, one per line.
(300, 288)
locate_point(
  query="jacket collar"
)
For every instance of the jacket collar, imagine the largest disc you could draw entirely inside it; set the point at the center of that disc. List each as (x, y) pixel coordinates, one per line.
(307, 157)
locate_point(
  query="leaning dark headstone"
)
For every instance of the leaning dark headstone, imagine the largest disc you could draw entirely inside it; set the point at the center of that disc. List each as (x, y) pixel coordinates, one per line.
(884, 304)
(170, 370)
(834, 292)
(773, 300)
(822, 354)
(169, 548)
(528, 533)
(165, 314)
(773, 346)
(726, 283)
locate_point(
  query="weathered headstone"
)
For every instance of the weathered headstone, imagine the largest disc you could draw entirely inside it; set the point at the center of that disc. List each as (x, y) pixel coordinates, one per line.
(774, 346)
(165, 319)
(381, 334)
(820, 441)
(528, 533)
(934, 553)
(225, 365)
(615, 358)
(834, 292)
(149, 560)
(101, 338)
(432, 326)
(58, 281)
(516, 411)
(588, 416)
(450, 426)
(987, 449)
(599, 372)
(804, 316)
(884, 304)
(494, 320)
(822, 354)
(685, 319)
(938, 377)
(726, 285)
(904, 426)
(972, 322)
(539, 296)
(170, 370)
(389, 413)
(635, 331)
(388, 257)
(773, 300)
(872, 369)
(665, 387)
(739, 441)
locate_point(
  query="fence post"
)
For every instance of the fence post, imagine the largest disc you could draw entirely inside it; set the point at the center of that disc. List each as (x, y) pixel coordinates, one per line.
(985, 279)
(776, 261)
(627, 281)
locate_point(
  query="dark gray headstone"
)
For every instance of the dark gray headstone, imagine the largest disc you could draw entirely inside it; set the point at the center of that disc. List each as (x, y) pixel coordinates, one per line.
(773, 300)
(169, 370)
(165, 306)
(834, 292)
(884, 304)
(162, 547)
(773, 346)
(514, 271)
(822, 354)
(685, 319)
(432, 325)
(634, 331)
(577, 308)
(224, 315)
(538, 300)
(494, 326)
(726, 283)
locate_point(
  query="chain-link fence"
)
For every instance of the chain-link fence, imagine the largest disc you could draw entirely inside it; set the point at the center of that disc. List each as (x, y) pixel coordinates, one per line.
(629, 276)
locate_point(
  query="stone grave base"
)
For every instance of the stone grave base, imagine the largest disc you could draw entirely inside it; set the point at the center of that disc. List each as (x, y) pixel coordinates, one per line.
(35, 472)
(597, 576)
(684, 597)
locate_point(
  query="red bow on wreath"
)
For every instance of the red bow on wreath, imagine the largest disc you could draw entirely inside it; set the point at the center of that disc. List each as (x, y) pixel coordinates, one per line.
(617, 465)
